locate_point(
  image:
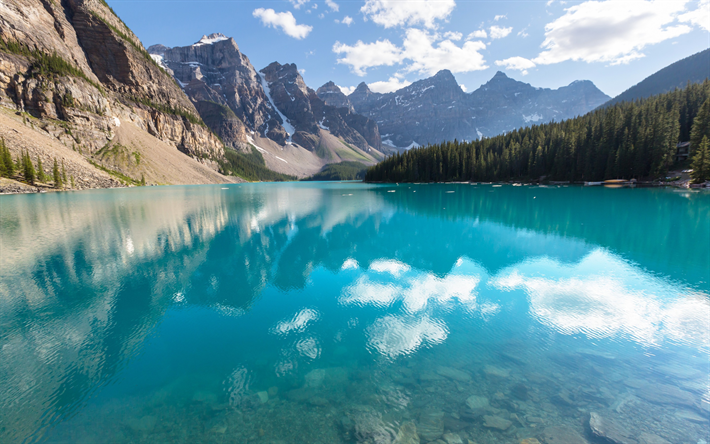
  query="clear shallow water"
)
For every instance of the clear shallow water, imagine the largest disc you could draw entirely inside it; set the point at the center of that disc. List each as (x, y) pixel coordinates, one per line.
(346, 313)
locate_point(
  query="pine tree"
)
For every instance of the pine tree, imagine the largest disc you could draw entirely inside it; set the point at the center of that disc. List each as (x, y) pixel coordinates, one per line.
(701, 125)
(142, 180)
(28, 169)
(64, 173)
(7, 166)
(57, 177)
(72, 180)
(701, 162)
(40, 171)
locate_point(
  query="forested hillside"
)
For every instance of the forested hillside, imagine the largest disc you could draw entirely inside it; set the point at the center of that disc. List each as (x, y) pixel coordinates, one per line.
(693, 69)
(627, 140)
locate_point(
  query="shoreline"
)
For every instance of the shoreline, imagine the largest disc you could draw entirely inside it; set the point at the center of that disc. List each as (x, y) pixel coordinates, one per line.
(9, 187)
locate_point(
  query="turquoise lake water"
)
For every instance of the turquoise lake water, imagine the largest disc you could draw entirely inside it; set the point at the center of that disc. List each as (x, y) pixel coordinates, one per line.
(354, 313)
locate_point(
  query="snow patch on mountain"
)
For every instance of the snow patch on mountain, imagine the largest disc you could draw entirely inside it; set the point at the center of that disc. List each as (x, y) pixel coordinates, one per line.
(267, 90)
(211, 39)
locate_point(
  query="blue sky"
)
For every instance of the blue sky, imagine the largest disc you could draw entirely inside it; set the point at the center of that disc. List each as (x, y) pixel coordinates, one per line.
(386, 43)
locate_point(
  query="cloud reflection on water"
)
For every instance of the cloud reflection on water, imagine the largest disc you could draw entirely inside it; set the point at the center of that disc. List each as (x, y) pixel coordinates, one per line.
(604, 296)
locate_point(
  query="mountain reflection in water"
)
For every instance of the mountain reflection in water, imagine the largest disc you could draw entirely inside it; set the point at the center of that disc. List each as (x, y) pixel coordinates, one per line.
(353, 313)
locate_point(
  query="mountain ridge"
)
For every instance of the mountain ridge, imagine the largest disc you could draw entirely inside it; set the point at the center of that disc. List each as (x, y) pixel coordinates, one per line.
(693, 69)
(436, 109)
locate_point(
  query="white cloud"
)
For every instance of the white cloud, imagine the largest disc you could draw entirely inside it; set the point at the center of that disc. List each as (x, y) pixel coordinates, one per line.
(347, 20)
(463, 88)
(523, 33)
(421, 52)
(699, 17)
(517, 63)
(391, 85)
(498, 32)
(284, 20)
(298, 3)
(302, 71)
(347, 90)
(332, 5)
(362, 56)
(499, 17)
(455, 36)
(391, 13)
(480, 34)
(612, 31)
(427, 56)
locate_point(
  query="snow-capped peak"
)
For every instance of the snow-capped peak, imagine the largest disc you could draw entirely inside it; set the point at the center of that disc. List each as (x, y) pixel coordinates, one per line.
(210, 39)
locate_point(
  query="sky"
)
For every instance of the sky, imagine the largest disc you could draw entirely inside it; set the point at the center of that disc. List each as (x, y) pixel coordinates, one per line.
(388, 43)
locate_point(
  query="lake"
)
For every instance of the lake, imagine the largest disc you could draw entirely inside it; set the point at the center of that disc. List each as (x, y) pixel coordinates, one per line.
(355, 313)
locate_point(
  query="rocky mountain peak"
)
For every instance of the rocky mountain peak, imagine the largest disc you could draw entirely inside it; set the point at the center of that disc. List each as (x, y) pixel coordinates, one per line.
(331, 94)
(362, 88)
(157, 49)
(211, 39)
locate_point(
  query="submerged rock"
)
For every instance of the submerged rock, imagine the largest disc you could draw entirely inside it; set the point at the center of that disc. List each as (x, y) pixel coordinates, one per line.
(648, 438)
(452, 373)
(431, 424)
(562, 435)
(665, 394)
(407, 434)
(452, 438)
(530, 441)
(679, 371)
(496, 372)
(606, 428)
(690, 416)
(496, 422)
(477, 403)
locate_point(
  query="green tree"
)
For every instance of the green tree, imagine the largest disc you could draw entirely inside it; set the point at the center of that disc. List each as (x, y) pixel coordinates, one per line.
(701, 162)
(142, 180)
(28, 168)
(64, 173)
(701, 125)
(71, 178)
(40, 171)
(7, 166)
(57, 177)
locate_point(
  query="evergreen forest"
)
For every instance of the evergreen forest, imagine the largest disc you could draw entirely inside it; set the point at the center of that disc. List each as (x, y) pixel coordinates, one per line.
(627, 140)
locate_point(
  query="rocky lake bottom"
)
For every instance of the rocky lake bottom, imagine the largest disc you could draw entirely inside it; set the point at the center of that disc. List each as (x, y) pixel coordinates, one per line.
(347, 313)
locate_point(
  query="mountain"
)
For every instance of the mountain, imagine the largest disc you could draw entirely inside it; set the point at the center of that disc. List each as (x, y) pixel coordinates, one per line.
(84, 91)
(436, 109)
(629, 140)
(693, 69)
(272, 110)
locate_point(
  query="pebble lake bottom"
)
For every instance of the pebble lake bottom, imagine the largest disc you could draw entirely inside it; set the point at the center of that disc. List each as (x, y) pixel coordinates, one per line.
(354, 313)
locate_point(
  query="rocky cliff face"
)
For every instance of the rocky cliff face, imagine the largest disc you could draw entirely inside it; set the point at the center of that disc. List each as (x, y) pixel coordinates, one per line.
(275, 102)
(436, 109)
(75, 66)
(307, 113)
(331, 94)
(215, 70)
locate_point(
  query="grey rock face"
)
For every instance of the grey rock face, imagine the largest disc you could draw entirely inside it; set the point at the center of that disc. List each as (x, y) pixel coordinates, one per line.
(83, 32)
(215, 70)
(274, 102)
(333, 96)
(436, 109)
(308, 113)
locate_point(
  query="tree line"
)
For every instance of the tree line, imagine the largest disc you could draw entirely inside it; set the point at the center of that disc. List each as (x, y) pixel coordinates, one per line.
(22, 168)
(624, 141)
